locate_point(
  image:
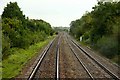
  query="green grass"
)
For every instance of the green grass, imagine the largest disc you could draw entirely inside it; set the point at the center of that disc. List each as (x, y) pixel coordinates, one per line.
(13, 65)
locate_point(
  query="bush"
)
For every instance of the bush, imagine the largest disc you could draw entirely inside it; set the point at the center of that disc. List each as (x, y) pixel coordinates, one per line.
(108, 46)
(5, 44)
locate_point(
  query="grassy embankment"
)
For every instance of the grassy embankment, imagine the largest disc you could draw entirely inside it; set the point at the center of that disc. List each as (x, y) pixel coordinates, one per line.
(14, 63)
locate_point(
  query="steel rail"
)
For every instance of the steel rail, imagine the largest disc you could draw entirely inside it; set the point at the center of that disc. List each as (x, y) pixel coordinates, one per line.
(57, 60)
(114, 76)
(40, 60)
(88, 72)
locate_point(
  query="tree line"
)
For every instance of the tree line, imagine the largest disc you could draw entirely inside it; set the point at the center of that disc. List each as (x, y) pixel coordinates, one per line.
(19, 31)
(100, 28)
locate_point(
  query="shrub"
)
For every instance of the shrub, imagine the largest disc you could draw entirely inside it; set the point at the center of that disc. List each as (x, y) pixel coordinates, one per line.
(108, 46)
(5, 44)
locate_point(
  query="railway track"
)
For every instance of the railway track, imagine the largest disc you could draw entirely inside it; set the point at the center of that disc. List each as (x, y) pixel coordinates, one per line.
(90, 75)
(70, 67)
(112, 75)
(35, 72)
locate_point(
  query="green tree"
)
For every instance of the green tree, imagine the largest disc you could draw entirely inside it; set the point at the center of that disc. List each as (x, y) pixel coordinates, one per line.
(13, 11)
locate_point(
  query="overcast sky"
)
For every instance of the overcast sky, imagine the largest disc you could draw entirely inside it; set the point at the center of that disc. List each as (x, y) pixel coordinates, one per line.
(56, 12)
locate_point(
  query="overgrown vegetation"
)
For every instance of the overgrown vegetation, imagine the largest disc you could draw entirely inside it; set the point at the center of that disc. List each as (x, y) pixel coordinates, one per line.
(19, 31)
(100, 29)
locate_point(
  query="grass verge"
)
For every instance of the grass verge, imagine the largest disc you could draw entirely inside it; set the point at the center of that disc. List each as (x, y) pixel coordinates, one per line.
(13, 65)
